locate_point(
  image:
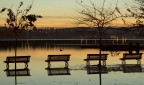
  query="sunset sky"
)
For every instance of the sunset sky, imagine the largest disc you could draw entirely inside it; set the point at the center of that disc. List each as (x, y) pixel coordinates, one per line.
(56, 13)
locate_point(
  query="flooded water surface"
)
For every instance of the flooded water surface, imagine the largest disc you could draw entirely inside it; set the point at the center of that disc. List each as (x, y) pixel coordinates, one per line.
(38, 73)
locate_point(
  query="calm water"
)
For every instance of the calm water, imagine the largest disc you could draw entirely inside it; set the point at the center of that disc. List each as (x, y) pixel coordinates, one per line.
(79, 76)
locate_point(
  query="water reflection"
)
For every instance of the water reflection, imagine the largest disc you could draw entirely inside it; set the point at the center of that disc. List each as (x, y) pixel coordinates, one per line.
(17, 72)
(127, 68)
(132, 68)
(47, 43)
(94, 69)
(76, 69)
(58, 71)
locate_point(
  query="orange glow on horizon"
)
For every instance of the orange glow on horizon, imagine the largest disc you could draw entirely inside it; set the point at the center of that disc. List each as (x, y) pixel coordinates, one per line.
(67, 22)
(58, 13)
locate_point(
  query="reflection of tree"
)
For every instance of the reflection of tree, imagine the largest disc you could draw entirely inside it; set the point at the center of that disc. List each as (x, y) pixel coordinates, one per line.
(98, 17)
(18, 21)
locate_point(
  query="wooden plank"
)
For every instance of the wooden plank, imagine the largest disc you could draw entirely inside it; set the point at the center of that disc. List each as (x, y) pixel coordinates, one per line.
(63, 57)
(96, 57)
(58, 71)
(19, 59)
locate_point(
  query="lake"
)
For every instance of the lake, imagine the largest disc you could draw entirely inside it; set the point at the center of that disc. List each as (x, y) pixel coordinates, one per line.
(114, 75)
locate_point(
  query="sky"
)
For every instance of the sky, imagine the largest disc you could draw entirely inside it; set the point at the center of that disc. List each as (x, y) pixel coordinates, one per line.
(56, 13)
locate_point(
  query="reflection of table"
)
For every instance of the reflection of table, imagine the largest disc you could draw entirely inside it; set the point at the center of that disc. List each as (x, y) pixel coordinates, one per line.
(19, 72)
(96, 70)
(131, 68)
(58, 71)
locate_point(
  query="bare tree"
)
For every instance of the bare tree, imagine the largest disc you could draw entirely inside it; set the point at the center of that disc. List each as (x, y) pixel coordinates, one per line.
(136, 11)
(98, 17)
(19, 21)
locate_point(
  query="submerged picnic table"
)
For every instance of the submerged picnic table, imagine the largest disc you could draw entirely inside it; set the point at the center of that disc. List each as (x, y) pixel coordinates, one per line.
(57, 58)
(131, 56)
(91, 57)
(17, 59)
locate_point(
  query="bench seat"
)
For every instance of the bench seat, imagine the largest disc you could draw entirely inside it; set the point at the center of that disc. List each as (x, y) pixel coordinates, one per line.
(58, 58)
(19, 59)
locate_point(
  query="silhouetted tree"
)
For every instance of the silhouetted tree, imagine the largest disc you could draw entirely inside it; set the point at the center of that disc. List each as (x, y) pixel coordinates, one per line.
(98, 17)
(20, 19)
(136, 11)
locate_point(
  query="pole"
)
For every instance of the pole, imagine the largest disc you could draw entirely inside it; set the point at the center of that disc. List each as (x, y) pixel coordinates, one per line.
(100, 56)
(15, 57)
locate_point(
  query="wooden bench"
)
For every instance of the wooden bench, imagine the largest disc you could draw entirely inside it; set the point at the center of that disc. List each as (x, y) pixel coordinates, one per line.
(96, 57)
(17, 59)
(57, 58)
(133, 56)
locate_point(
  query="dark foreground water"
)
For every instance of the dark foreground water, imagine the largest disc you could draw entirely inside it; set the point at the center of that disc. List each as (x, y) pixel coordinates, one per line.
(76, 74)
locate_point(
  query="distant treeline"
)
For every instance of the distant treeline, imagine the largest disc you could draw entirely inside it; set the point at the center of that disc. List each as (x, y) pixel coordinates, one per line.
(73, 33)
